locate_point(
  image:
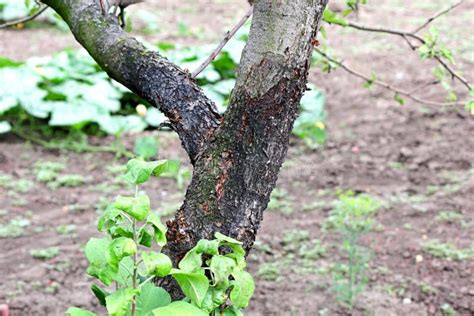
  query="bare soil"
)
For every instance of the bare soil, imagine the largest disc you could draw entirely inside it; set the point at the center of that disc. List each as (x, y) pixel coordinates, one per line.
(418, 160)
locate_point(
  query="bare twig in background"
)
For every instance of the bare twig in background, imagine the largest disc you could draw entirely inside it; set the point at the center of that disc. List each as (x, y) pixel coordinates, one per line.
(221, 45)
(412, 35)
(408, 94)
(24, 19)
(437, 15)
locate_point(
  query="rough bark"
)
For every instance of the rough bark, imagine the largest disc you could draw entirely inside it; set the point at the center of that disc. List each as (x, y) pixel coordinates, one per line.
(238, 168)
(237, 157)
(193, 116)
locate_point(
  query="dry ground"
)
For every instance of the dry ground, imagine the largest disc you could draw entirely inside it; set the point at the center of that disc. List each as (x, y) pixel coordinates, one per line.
(418, 160)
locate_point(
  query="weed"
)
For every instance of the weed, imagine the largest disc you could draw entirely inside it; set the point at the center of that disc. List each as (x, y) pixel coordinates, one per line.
(47, 171)
(427, 289)
(68, 180)
(279, 201)
(352, 217)
(44, 254)
(295, 237)
(15, 228)
(448, 310)
(447, 250)
(66, 229)
(269, 271)
(17, 185)
(313, 250)
(449, 216)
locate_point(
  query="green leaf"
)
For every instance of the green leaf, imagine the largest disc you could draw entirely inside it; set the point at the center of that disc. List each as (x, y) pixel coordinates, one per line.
(5, 62)
(157, 264)
(150, 298)
(244, 287)
(146, 147)
(139, 171)
(159, 229)
(122, 247)
(138, 207)
(223, 238)
(191, 262)
(179, 308)
(222, 267)
(210, 247)
(124, 277)
(238, 252)
(399, 99)
(98, 255)
(117, 303)
(144, 237)
(76, 311)
(193, 285)
(100, 294)
(331, 17)
(214, 298)
(112, 221)
(232, 311)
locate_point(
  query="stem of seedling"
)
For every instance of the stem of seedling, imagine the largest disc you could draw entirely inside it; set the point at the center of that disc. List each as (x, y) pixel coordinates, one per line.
(135, 259)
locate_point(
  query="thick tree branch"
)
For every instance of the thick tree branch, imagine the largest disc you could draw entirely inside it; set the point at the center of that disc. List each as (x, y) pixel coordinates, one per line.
(193, 116)
(237, 171)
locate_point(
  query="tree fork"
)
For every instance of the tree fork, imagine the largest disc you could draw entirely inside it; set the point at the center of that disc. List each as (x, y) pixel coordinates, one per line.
(236, 157)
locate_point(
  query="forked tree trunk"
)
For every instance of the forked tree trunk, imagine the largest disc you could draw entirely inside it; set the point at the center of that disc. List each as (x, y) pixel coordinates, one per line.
(236, 157)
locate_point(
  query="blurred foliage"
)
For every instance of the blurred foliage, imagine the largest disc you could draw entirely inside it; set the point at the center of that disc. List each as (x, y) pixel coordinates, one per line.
(70, 92)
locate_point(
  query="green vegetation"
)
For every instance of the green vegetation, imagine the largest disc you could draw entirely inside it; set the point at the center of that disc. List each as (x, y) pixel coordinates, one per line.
(352, 218)
(211, 275)
(450, 216)
(16, 185)
(440, 249)
(44, 254)
(59, 95)
(15, 228)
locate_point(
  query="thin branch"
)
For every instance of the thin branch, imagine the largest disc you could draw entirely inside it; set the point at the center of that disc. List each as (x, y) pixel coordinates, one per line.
(422, 86)
(408, 94)
(437, 15)
(24, 19)
(406, 35)
(221, 45)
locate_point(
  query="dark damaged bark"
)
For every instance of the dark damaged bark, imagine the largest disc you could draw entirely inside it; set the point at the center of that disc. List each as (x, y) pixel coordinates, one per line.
(193, 116)
(236, 158)
(238, 168)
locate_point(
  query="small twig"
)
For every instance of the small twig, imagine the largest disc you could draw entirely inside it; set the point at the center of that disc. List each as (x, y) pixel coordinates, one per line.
(431, 83)
(405, 35)
(408, 94)
(437, 15)
(24, 19)
(221, 45)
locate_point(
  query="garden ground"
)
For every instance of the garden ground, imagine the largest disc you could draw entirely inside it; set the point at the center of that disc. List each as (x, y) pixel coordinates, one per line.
(417, 160)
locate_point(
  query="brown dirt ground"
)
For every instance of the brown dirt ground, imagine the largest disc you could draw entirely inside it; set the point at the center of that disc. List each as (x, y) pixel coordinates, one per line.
(418, 160)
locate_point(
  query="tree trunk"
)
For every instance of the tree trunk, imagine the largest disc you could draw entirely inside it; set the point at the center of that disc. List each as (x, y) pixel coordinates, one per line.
(237, 157)
(238, 168)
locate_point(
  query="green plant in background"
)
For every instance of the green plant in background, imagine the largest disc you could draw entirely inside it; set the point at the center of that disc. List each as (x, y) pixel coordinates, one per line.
(15, 228)
(146, 147)
(352, 218)
(69, 91)
(447, 250)
(212, 275)
(44, 254)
